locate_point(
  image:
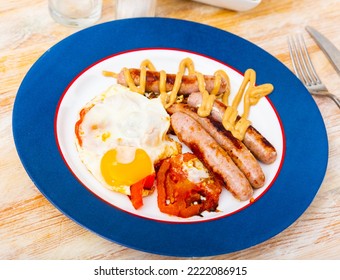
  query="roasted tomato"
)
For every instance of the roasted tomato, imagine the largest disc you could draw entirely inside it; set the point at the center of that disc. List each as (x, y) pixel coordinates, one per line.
(185, 187)
(141, 188)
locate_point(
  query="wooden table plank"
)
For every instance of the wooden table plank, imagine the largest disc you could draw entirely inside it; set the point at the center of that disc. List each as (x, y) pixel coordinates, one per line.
(31, 228)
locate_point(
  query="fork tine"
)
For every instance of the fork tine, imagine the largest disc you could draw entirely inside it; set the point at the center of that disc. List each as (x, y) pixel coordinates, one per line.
(302, 55)
(292, 56)
(302, 64)
(307, 61)
(296, 60)
(304, 69)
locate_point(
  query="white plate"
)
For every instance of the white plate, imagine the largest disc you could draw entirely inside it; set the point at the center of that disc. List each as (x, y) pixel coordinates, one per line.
(92, 83)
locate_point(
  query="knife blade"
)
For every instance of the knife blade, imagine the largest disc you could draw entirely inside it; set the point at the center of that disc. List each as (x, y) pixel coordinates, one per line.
(332, 53)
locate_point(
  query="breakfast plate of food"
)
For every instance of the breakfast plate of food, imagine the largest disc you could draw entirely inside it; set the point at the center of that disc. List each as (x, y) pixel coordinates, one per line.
(157, 142)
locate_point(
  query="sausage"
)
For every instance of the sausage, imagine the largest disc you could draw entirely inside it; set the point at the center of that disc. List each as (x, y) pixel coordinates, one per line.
(191, 133)
(189, 82)
(237, 151)
(260, 147)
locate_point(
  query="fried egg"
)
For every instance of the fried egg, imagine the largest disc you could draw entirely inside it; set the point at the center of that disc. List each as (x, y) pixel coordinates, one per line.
(121, 135)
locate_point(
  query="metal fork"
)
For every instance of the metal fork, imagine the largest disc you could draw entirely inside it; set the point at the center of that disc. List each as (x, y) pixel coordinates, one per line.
(304, 68)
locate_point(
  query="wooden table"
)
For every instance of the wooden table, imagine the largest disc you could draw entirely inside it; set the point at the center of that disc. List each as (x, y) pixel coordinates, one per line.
(31, 228)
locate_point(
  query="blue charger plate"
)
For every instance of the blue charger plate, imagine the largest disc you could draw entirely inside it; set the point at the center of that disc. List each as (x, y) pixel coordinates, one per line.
(300, 176)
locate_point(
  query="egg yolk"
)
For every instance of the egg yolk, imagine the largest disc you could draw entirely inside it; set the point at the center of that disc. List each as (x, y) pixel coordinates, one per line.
(125, 174)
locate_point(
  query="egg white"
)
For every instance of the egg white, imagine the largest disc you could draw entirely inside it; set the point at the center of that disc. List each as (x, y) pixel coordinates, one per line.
(123, 120)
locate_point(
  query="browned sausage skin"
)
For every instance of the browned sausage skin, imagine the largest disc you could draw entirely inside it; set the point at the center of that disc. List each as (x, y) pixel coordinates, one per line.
(238, 152)
(191, 133)
(260, 147)
(189, 82)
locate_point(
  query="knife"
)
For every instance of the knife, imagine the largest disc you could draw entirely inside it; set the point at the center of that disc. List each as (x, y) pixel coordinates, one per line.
(332, 53)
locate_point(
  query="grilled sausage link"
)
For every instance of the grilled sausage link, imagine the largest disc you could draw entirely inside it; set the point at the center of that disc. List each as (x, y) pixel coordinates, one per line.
(260, 147)
(211, 154)
(237, 151)
(189, 82)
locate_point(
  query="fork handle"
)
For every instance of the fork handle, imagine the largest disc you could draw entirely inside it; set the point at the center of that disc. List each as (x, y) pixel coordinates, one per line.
(335, 99)
(330, 95)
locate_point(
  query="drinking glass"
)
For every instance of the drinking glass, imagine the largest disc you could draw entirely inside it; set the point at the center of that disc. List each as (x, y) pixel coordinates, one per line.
(135, 8)
(79, 13)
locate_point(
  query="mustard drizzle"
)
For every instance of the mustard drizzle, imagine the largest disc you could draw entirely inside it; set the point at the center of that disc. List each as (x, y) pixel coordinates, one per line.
(250, 93)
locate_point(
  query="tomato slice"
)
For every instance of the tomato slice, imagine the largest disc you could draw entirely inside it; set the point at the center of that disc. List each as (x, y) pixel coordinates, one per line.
(82, 114)
(179, 196)
(136, 190)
